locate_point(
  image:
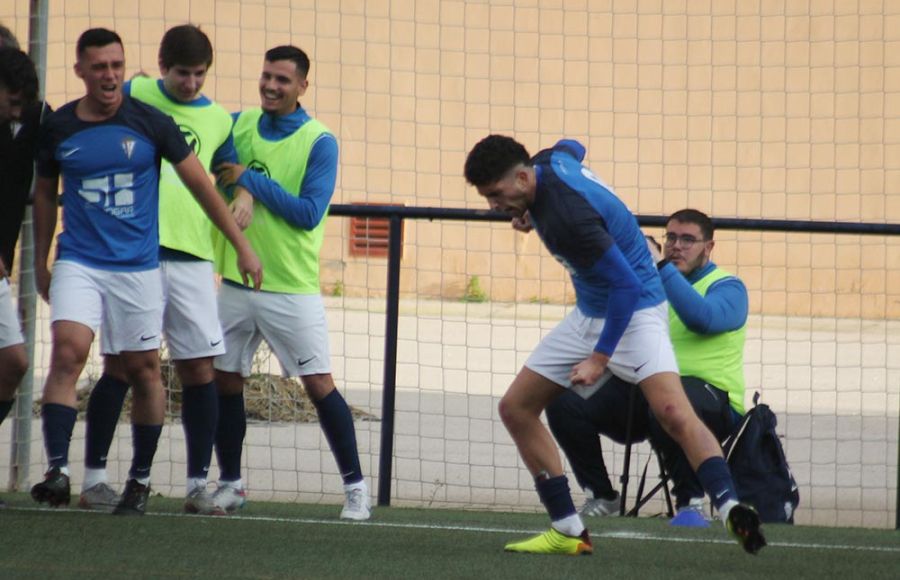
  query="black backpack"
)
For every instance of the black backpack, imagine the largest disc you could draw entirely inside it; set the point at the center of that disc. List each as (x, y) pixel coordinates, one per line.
(759, 468)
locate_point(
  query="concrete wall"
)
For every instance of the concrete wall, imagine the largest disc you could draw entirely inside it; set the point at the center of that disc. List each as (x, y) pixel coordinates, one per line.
(755, 109)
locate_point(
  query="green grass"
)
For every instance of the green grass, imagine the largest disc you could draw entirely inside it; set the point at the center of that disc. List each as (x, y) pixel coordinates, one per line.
(276, 540)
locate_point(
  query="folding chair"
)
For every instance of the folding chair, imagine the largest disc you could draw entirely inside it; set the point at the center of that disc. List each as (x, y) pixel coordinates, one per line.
(663, 483)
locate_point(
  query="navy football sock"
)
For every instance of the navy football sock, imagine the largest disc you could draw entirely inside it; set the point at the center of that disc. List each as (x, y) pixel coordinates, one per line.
(5, 406)
(337, 424)
(555, 495)
(144, 439)
(715, 477)
(230, 432)
(103, 410)
(199, 417)
(58, 423)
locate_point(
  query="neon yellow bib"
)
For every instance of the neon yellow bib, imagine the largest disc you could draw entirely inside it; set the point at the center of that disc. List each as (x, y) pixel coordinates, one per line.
(289, 255)
(183, 225)
(718, 359)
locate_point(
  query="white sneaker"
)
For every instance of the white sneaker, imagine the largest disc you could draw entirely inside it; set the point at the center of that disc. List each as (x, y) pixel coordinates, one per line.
(356, 504)
(229, 499)
(100, 497)
(601, 507)
(201, 502)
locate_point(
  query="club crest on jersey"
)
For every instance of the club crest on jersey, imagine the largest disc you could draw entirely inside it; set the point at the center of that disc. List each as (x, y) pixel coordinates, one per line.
(191, 138)
(128, 146)
(259, 167)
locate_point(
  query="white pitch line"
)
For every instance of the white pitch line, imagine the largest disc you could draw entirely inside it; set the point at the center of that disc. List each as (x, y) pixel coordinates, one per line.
(479, 529)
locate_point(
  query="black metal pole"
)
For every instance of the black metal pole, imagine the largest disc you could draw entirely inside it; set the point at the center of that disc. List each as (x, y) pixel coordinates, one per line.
(623, 479)
(388, 398)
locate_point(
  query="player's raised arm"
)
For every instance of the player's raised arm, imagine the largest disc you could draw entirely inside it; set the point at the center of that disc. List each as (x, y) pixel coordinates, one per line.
(195, 178)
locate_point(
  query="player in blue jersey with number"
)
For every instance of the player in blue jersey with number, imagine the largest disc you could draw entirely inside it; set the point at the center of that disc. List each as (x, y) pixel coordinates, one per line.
(107, 148)
(619, 326)
(190, 316)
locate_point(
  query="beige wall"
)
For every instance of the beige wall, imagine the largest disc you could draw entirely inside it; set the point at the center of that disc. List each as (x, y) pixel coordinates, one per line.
(756, 109)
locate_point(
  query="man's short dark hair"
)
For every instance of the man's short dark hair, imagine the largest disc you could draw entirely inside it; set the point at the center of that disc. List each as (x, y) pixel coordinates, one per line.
(185, 45)
(17, 73)
(7, 38)
(694, 216)
(492, 157)
(293, 54)
(96, 37)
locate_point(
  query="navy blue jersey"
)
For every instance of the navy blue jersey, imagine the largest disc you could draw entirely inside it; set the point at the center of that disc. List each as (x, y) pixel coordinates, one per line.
(596, 238)
(110, 172)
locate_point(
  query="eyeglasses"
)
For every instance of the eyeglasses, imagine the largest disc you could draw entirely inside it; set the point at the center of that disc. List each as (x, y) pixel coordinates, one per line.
(687, 240)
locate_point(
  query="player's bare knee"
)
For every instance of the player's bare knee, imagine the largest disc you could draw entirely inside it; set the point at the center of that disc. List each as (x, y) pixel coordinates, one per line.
(13, 365)
(14, 362)
(318, 386)
(195, 371)
(510, 413)
(112, 366)
(228, 383)
(141, 369)
(67, 359)
(673, 420)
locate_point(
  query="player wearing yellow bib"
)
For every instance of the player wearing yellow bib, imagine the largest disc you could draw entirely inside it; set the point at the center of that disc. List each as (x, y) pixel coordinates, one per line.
(190, 321)
(292, 161)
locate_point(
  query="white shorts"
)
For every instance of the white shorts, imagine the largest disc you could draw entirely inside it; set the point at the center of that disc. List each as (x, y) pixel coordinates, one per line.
(643, 351)
(10, 330)
(127, 304)
(294, 325)
(190, 316)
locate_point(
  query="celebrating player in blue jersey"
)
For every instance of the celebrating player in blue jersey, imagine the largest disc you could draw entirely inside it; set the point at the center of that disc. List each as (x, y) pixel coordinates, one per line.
(707, 325)
(107, 147)
(190, 315)
(619, 326)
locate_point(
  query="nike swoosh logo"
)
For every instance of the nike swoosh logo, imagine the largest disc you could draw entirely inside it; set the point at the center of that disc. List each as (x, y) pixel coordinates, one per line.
(638, 369)
(720, 494)
(215, 343)
(302, 362)
(146, 338)
(70, 152)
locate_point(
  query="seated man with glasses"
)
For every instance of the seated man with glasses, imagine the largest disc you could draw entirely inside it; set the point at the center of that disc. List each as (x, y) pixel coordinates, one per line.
(707, 317)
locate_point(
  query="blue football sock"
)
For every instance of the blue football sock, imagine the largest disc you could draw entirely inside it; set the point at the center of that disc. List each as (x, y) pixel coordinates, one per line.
(199, 417)
(5, 406)
(103, 410)
(58, 423)
(556, 497)
(144, 439)
(715, 477)
(230, 432)
(337, 424)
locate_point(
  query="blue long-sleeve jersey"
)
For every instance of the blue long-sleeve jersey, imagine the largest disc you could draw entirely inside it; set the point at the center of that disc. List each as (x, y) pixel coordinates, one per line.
(724, 308)
(596, 238)
(308, 208)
